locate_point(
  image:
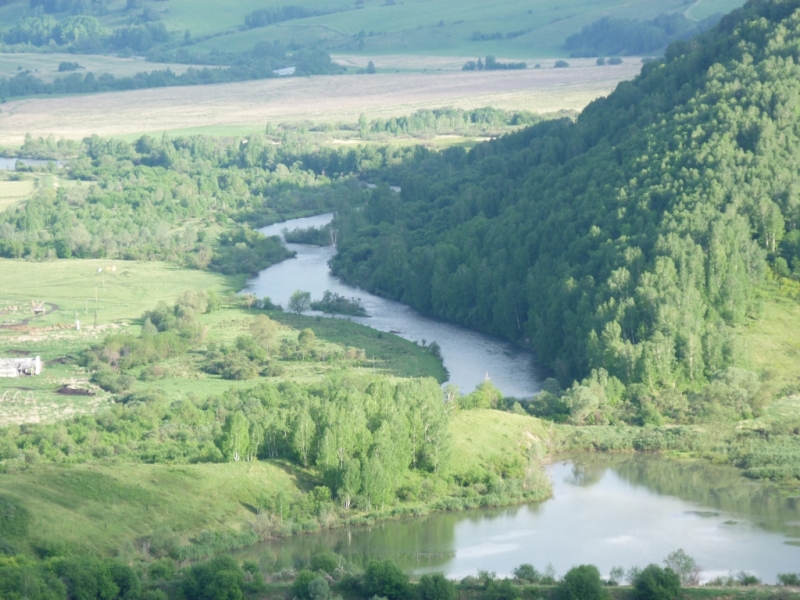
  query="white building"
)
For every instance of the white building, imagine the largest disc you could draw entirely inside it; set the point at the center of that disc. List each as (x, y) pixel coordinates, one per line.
(20, 367)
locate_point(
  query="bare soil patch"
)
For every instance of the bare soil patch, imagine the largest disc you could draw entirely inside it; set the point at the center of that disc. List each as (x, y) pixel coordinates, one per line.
(318, 99)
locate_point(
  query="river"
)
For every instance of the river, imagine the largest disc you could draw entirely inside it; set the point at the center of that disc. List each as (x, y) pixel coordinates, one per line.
(606, 510)
(469, 356)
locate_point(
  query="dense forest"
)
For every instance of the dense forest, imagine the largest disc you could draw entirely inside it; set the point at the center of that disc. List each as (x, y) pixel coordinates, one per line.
(624, 37)
(631, 240)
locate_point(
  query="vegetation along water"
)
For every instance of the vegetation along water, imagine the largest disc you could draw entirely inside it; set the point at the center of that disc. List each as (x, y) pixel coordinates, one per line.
(458, 353)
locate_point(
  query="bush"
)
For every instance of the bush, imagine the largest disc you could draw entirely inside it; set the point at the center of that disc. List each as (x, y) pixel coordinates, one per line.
(561, 64)
(655, 583)
(300, 585)
(436, 587)
(527, 573)
(220, 578)
(327, 561)
(581, 583)
(791, 579)
(384, 578)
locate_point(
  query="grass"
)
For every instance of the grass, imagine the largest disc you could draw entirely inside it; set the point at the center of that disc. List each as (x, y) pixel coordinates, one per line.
(484, 436)
(12, 192)
(103, 507)
(771, 346)
(75, 286)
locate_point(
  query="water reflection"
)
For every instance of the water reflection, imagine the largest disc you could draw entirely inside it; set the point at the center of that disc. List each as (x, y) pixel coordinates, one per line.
(606, 510)
(468, 356)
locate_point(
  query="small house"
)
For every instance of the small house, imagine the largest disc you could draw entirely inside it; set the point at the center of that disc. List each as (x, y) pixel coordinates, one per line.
(20, 367)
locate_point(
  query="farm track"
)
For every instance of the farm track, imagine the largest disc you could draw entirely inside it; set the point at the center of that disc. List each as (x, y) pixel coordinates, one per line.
(25, 322)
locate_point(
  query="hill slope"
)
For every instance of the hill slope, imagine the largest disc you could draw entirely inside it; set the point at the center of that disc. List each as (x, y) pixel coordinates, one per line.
(631, 240)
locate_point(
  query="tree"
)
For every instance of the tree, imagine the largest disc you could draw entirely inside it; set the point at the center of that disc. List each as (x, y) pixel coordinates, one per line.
(265, 331)
(582, 583)
(301, 584)
(236, 436)
(371, 70)
(385, 579)
(655, 583)
(318, 589)
(685, 566)
(220, 578)
(436, 587)
(300, 302)
(527, 573)
(349, 481)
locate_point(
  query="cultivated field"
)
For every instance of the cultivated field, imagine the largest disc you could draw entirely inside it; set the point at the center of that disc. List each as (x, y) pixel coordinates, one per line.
(45, 66)
(243, 107)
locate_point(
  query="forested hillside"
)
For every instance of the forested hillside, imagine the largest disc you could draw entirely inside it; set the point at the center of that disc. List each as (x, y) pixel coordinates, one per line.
(633, 239)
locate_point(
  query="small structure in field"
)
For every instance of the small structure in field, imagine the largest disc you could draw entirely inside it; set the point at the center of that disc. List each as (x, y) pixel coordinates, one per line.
(20, 367)
(38, 308)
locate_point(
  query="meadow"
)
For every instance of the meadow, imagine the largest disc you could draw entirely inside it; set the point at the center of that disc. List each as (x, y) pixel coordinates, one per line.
(241, 108)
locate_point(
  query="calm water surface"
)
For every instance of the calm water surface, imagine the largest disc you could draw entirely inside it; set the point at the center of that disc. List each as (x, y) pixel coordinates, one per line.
(468, 356)
(10, 164)
(605, 510)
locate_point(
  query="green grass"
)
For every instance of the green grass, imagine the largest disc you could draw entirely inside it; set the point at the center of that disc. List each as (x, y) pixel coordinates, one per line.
(12, 192)
(484, 436)
(121, 297)
(771, 347)
(100, 507)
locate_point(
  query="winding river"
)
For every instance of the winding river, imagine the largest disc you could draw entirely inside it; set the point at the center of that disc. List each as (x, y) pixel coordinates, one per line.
(468, 356)
(606, 510)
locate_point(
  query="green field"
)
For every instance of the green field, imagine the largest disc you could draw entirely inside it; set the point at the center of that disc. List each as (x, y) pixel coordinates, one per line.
(418, 27)
(69, 288)
(413, 27)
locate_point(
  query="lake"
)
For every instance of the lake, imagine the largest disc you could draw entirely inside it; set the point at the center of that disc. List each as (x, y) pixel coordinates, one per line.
(606, 510)
(469, 356)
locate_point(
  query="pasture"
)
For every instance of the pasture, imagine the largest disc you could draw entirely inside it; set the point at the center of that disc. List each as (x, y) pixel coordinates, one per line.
(419, 27)
(247, 107)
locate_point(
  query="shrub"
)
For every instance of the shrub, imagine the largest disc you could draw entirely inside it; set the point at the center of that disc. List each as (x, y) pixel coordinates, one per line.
(301, 583)
(326, 561)
(384, 578)
(581, 583)
(792, 579)
(561, 64)
(527, 573)
(655, 583)
(436, 587)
